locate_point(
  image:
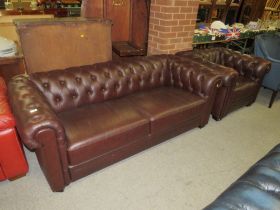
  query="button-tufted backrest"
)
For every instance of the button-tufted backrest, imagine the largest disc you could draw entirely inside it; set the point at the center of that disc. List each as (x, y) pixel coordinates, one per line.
(248, 66)
(228, 58)
(242, 63)
(221, 56)
(213, 55)
(77, 86)
(191, 76)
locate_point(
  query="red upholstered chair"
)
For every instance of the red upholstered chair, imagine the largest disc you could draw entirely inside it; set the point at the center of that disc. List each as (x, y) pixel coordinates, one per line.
(12, 160)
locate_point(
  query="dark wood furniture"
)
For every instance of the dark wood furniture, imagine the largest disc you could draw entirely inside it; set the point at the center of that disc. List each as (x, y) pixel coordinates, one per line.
(225, 11)
(11, 66)
(62, 8)
(60, 43)
(130, 23)
(2, 4)
(251, 10)
(21, 12)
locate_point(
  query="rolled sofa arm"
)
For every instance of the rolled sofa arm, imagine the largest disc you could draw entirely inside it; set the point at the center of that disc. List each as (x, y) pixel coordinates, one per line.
(260, 67)
(249, 66)
(229, 75)
(32, 112)
(194, 77)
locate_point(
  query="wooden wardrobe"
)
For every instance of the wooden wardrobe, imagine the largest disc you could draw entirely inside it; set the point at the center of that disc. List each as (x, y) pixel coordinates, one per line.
(251, 10)
(130, 20)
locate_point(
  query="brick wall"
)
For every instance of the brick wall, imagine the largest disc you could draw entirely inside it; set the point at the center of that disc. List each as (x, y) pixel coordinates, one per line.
(172, 23)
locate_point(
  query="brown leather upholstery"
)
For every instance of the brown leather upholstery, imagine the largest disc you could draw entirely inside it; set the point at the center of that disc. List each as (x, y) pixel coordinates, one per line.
(165, 106)
(242, 76)
(97, 83)
(116, 122)
(82, 119)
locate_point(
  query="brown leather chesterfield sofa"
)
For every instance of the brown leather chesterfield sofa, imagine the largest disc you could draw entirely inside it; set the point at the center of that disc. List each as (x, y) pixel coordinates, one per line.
(82, 119)
(242, 76)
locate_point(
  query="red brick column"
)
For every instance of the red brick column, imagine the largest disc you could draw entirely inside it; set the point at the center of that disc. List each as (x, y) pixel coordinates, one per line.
(172, 24)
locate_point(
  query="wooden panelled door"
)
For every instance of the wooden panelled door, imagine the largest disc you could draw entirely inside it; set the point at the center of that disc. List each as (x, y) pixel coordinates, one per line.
(130, 19)
(116, 10)
(119, 12)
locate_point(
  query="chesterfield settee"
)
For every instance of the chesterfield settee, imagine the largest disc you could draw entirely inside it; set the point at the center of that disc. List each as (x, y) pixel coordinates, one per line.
(257, 189)
(82, 119)
(242, 76)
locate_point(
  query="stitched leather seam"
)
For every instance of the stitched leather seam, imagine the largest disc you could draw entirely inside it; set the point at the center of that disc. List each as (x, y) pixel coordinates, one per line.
(272, 193)
(263, 165)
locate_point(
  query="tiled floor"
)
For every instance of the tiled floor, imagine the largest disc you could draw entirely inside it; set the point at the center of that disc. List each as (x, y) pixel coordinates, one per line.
(187, 172)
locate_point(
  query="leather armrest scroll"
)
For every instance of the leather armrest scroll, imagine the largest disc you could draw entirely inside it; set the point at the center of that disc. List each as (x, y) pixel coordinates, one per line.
(259, 67)
(32, 112)
(229, 75)
(194, 77)
(250, 66)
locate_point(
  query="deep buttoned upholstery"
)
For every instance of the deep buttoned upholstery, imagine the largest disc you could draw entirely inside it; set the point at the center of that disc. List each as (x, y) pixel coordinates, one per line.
(81, 119)
(242, 76)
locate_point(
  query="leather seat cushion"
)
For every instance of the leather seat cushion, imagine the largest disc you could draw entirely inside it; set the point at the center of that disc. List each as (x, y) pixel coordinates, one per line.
(244, 89)
(96, 129)
(244, 84)
(167, 106)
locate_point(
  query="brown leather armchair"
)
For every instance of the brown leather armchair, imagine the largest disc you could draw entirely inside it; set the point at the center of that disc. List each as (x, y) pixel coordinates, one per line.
(242, 76)
(82, 119)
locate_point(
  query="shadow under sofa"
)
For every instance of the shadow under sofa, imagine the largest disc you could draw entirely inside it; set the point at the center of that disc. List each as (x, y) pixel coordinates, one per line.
(82, 119)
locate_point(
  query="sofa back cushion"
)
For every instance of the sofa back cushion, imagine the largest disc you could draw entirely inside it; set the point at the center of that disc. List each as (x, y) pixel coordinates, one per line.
(219, 55)
(212, 55)
(78, 86)
(191, 76)
(226, 57)
(242, 63)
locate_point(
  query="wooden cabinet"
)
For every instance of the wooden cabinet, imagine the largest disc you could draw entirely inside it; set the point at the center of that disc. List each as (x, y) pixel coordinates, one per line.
(64, 42)
(231, 11)
(120, 14)
(251, 10)
(224, 10)
(11, 66)
(130, 23)
(2, 4)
